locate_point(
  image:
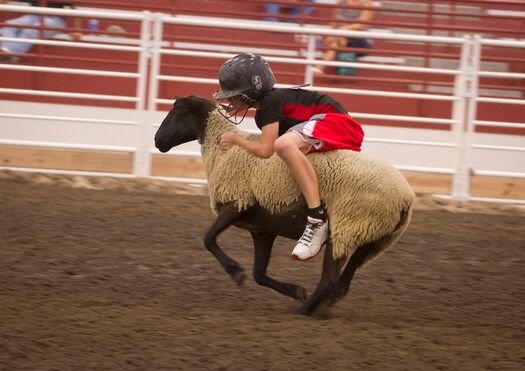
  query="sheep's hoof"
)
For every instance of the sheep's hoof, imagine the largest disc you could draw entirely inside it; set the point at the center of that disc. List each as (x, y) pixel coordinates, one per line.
(304, 311)
(300, 294)
(237, 274)
(239, 278)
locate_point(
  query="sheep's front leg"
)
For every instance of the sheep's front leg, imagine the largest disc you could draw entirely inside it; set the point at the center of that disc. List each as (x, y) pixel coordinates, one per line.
(228, 214)
(263, 244)
(327, 287)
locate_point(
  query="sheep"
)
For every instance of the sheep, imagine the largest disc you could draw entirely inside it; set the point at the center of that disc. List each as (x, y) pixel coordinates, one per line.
(369, 202)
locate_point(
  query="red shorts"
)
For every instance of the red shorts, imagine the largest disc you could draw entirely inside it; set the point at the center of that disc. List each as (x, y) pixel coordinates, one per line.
(330, 131)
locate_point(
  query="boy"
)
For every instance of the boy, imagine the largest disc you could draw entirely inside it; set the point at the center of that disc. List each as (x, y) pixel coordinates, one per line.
(294, 123)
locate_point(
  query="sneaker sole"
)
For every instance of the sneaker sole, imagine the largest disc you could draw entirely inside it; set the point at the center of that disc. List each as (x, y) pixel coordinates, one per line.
(295, 257)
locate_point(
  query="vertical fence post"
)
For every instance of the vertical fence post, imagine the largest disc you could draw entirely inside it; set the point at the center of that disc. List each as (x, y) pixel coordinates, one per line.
(310, 56)
(460, 179)
(142, 156)
(156, 54)
(472, 103)
(155, 64)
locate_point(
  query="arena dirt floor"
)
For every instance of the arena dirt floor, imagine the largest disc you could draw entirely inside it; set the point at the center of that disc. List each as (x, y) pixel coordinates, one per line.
(112, 274)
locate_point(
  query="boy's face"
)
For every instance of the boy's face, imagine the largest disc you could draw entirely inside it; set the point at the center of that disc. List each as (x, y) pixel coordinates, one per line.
(237, 103)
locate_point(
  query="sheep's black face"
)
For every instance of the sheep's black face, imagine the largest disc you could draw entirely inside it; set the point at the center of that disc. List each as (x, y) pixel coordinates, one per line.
(184, 123)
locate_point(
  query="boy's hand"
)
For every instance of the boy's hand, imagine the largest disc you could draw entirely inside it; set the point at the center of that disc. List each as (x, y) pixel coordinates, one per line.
(228, 140)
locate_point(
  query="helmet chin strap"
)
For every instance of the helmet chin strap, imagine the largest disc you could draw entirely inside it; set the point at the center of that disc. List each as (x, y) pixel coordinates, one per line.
(225, 109)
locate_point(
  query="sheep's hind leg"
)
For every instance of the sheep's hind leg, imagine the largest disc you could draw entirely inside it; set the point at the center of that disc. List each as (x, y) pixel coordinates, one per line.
(357, 260)
(228, 214)
(263, 244)
(327, 287)
(369, 251)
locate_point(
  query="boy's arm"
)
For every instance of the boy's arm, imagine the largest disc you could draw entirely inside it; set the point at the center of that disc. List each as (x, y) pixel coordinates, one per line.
(263, 147)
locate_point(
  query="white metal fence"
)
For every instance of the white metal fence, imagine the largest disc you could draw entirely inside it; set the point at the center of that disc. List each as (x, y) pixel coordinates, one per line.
(461, 144)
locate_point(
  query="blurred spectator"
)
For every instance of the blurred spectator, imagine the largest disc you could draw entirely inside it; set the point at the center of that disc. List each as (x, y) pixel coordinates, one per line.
(115, 30)
(348, 19)
(272, 10)
(50, 21)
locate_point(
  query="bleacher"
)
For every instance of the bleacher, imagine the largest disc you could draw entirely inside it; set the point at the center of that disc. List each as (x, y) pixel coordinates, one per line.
(498, 19)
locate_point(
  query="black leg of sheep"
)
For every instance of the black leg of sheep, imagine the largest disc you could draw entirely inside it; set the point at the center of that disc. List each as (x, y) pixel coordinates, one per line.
(368, 252)
(228, 214)
(358, 258)
(263, 244)
(328, 286)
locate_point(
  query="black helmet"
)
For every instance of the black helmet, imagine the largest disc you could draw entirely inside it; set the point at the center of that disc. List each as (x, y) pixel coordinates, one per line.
(246, 74)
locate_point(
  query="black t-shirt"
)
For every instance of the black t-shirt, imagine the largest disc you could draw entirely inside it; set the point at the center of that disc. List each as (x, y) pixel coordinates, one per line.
(51, 4)
(290, 107)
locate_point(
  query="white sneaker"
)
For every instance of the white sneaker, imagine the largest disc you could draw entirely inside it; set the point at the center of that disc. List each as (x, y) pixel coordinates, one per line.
(312, 240)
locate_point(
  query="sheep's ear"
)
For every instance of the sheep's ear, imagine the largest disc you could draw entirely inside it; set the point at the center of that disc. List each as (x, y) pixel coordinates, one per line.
(196, 103)
(183, 101)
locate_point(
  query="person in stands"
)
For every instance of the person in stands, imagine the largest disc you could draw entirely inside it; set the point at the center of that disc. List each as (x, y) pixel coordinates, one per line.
(15, 29)
(294, 123)
(348, 19)
(273, 10)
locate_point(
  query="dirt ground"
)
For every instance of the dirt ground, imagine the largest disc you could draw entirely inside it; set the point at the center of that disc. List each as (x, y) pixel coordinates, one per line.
(112, 274)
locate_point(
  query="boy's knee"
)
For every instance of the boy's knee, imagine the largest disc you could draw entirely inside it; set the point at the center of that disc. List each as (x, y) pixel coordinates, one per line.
(282, 145)
(289, 143)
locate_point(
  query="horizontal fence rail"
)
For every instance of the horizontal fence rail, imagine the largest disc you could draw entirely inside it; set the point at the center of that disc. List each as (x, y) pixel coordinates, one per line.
(152, 48)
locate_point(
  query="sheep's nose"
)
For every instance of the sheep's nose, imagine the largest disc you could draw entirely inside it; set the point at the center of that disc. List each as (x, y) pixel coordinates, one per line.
(158, 141)
(161, 147)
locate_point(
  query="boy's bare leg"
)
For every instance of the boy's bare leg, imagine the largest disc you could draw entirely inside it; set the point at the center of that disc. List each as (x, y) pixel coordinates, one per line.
(291, 148)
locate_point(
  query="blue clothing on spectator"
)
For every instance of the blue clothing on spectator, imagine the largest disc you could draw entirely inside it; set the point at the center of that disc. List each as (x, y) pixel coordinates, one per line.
(29, 33)
(274, 9)
(50, 21)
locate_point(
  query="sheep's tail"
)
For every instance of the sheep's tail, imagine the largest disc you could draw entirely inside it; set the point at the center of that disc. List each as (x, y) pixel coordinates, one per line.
(376, 248)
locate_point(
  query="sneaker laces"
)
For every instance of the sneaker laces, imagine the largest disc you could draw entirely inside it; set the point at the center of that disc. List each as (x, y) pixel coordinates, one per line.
(309, 232)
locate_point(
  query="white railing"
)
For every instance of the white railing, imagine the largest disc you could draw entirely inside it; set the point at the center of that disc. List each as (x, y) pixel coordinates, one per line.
(140, 161)
(464, 97)
(467, 167)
